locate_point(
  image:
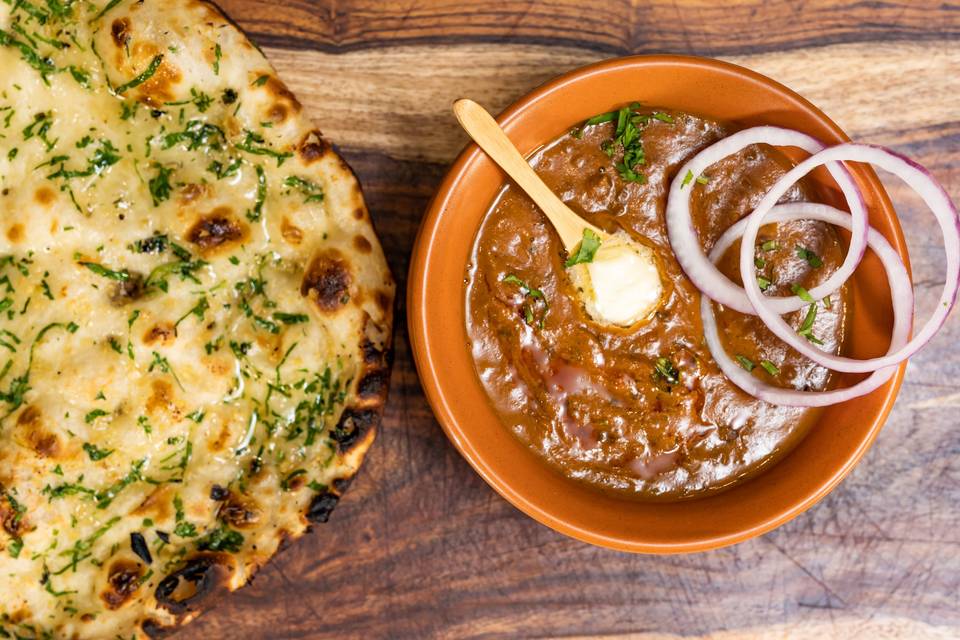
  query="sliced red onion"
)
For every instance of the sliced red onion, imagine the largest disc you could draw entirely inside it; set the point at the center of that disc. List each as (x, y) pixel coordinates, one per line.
(686, 243)
(902, 311)
(918, 179)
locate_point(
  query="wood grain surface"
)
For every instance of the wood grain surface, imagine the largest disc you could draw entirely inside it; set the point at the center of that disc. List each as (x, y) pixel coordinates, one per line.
(421, 547)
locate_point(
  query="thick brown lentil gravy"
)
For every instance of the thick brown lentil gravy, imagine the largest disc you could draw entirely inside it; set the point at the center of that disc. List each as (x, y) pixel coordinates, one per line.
(643, 411)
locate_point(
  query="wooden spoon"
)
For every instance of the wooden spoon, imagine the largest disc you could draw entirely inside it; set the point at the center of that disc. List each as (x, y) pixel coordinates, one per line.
(621, 285)
(485, 131)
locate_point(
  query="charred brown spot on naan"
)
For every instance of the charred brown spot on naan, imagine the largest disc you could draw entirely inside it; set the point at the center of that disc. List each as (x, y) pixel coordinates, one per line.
(193, 192)
(282, 102)
(291, 232)
(240, 512)
(14, 522)
(127, 291)
(120, 32)
(362, 245)
(312, 147)
(19, 616)
(34, 434)
(157, 505)
(123, 580)
(15, 233)
(219, 443)
(201, 578)
(218, 230)
(160, 333)
(321, 506)
(45, 196)
(327, 280)
(384, 302)
(354, 425)
(374, 384)
(162, 398)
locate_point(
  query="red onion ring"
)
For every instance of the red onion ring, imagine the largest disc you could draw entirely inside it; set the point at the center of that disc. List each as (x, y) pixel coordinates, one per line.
(689, 251)
(902, 311)
(918, 179)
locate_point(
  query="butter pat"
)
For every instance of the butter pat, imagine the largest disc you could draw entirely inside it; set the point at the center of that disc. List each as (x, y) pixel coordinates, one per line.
(622, 285)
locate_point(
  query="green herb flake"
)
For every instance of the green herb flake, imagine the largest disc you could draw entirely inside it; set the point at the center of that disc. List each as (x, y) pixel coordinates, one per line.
(769, 367)
(221, 539)
(95, 452)
(159, 185)
(687, 179)
(812, 259)
(666, 371)
(143, 77)
(255, 144)
(806, 327)
(745, 362)
(586, 250)
(254, 214)
(801, 292)
(290, 318)
(122, 275)
(312, 192)
(287, 483)
(533, 299)
(93, 415)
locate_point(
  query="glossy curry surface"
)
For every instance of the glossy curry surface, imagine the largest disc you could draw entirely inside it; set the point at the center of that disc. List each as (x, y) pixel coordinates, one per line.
(643, 411)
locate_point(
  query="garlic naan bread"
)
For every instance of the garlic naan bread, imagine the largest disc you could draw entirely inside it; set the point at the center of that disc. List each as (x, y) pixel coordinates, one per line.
(195, 316)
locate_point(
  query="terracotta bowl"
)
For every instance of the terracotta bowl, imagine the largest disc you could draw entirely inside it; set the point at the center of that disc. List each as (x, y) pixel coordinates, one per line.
(816, 465)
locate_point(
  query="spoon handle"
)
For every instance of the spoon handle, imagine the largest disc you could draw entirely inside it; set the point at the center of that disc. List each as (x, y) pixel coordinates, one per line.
(485, 131)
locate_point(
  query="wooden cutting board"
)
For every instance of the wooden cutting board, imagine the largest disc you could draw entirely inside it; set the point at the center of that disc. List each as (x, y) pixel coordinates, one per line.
(421, 547)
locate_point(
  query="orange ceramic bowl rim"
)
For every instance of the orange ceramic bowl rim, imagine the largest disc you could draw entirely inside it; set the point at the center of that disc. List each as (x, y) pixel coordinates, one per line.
(435, 336)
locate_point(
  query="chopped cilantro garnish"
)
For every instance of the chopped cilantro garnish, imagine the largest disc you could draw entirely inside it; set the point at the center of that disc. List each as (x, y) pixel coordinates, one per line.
(290, 318)
(812, 259)
(255, 144)
(95, 452)
(143, 77)
(665, 370)
(285, 484)
(537, 300)
(801, 292)
(93, 415)
(769, 367)
(159, 185)
(254, 214)
(122, 275)
(806, 327)
(221, 539)
(313, 192)
(745, 362)
(586, 250)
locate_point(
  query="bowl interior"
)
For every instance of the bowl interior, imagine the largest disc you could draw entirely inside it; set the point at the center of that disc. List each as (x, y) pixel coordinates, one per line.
(441, 345)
